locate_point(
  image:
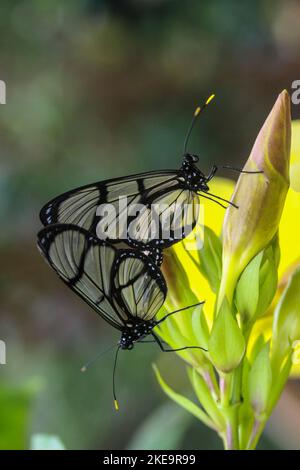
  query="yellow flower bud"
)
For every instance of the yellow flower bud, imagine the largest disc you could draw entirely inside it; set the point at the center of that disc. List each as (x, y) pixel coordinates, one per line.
(260, 197)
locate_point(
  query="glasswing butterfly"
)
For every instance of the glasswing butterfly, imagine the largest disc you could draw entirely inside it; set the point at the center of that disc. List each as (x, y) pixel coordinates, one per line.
(124, 286)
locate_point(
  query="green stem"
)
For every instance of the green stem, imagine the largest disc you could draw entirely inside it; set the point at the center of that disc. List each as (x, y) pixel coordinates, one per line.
(206, 400)
(237, 385)
(246, 428)
(258, 427)
(229, 411)
(225, 389)
(210, 379)
(230, 437)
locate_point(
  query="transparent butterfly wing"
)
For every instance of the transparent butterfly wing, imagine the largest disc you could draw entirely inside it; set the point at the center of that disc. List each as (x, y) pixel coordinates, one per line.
(140, 286)
(171, 217)
(161, 191)
(85, 265)
(89, 266)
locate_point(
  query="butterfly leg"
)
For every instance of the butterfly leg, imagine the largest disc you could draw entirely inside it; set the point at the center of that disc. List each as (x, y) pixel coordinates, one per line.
(179, 310)
(174, 350)
(211, 199)
(212, 173)
(222, 199)
(147, 341)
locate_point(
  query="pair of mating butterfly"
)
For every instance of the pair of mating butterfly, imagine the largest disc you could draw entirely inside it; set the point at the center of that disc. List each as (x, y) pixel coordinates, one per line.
(121, 279)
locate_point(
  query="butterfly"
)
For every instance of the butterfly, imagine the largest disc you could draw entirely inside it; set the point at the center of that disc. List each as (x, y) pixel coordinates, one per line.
(123, 286)
(168, 202)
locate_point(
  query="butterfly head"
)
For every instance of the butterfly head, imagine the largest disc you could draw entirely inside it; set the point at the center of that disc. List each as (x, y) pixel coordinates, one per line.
(134, 331)
(194, 179)
(190, 159)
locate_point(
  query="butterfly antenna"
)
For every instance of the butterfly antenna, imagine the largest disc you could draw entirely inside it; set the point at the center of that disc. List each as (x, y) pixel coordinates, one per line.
(197, 112)
(114, 383)
(89, 363)
(238, 170)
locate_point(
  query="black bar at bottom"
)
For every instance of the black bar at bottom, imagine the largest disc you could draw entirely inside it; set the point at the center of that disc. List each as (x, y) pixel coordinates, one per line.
(134, 459)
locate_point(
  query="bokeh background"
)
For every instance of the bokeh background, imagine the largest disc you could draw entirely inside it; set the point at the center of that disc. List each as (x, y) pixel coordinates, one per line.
(99, 89)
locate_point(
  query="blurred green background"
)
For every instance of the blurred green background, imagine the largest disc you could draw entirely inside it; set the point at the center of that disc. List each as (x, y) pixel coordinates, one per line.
(99, 89)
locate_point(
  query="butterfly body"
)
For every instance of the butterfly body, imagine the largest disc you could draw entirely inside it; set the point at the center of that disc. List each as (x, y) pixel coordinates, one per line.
(193, 178)
(153, 250)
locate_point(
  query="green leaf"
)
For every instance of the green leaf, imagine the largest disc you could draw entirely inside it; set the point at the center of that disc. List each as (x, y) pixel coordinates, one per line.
(15, 411)
(200, 327)
(268, 279)
(210, 258)
(171, 332)
(286, 323)
(246, 299)
(205, 398)
(276, 249)
(178, 331)
(261, 274)
(226, 344)
(184, 402)
(163, 429)
(260, 381)
(246, 418)
(46, 442)
(246, 414)
(281, 378)
(245, 375)
(257, 347)
(176, 277)
(178, 297)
